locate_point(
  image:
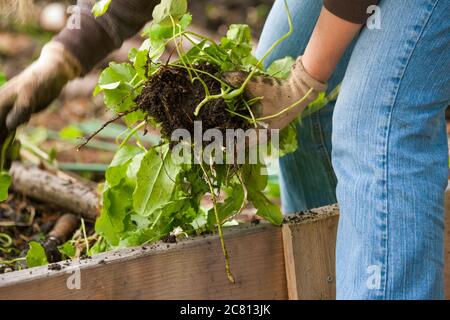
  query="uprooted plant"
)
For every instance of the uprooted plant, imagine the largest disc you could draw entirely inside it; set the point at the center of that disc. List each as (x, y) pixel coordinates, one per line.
(148, 195)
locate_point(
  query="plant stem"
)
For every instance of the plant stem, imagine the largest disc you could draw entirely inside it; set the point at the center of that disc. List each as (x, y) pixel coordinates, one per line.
(6, 145)
(5, 240)
(239, 115)
(86, 241)
(200, 36)
(253, 120)
(206, 100)
(240, 90)
(219, 226)
(117, 117)
(11, 262)
(27, 145)
(176, 44)
(201, 49)
(288, 107)
(206, 73)
(132, 132)
(237, 92)
(251, 113)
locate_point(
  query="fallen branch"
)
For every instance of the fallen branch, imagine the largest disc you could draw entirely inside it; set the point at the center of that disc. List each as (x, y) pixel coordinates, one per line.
(64, 228)
(64, 191)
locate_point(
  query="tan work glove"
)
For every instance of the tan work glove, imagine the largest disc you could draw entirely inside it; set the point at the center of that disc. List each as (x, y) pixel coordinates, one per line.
(277, 95)
(36, 87)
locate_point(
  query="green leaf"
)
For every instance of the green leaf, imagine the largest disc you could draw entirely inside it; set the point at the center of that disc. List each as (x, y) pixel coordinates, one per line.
(133, 117)
(231, 205)
(140, 63)
(255, 179)
(155, 181)
(117, 170)
(125, 154)
(273, 190)
(117, 205)
(171, 215)
(117, 82)
(320, 102)
(36, 255)
(5, 182)
(239, 34)
(185, 21)
(238, 49)
(100, 7)
(281, 68)
(117, 194)
(200, 221)
(158, 31)
(139, 237)
(67, 249)
(265, 208)
(2, 79)
(288, 142)
(70, 132)
(167, 8)
(100, 246)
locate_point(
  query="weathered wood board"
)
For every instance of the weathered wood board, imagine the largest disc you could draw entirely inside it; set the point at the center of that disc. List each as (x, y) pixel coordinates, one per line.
(194, 269)
(309, 251)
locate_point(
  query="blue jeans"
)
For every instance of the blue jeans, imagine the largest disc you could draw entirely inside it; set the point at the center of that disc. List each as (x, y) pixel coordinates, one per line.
(380, 150)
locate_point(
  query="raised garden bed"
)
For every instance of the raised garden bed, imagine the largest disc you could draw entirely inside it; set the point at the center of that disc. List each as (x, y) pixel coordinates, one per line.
(193, 268)
(295, 261)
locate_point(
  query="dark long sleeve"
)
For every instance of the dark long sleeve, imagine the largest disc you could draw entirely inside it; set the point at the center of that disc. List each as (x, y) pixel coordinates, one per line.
(97, 37)
(351, 10)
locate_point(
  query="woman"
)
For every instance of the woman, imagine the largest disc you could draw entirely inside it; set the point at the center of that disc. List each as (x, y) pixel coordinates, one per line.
(385, 137)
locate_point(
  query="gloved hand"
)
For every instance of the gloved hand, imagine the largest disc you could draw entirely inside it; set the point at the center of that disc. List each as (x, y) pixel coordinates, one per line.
(36, 87)
(278, 95)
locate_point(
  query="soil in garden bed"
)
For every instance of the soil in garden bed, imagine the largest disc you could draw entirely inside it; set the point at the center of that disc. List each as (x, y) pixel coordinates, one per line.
(171, 99)
(23, 220)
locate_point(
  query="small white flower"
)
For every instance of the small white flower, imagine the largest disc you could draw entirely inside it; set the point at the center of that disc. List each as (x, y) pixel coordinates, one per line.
(177, 232)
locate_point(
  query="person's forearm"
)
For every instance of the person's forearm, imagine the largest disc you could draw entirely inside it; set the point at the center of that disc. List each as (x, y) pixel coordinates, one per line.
(329, 40)
(327, 44)
(339, 22)
(97, 37)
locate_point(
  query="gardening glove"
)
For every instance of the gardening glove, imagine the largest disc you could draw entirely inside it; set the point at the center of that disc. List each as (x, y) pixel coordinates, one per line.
(36, 87)
(282, 100)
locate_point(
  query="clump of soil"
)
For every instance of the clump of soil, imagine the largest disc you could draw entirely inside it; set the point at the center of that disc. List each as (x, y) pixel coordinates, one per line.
(54, 267)
(171, 98)
(170, 238)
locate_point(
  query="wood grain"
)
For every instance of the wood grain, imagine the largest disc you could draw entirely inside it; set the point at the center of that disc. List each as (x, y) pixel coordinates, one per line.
(63, 192)
(309, 250)
(193, 269)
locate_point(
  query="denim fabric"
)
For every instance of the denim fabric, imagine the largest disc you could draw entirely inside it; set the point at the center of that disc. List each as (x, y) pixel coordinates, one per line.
(389, 151)
(307, 173)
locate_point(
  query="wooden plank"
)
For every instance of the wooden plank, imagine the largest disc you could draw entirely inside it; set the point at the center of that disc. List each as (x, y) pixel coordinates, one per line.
(194, 269)
(62, 191)
(191, 269)
(309, 250)
(303, 253)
